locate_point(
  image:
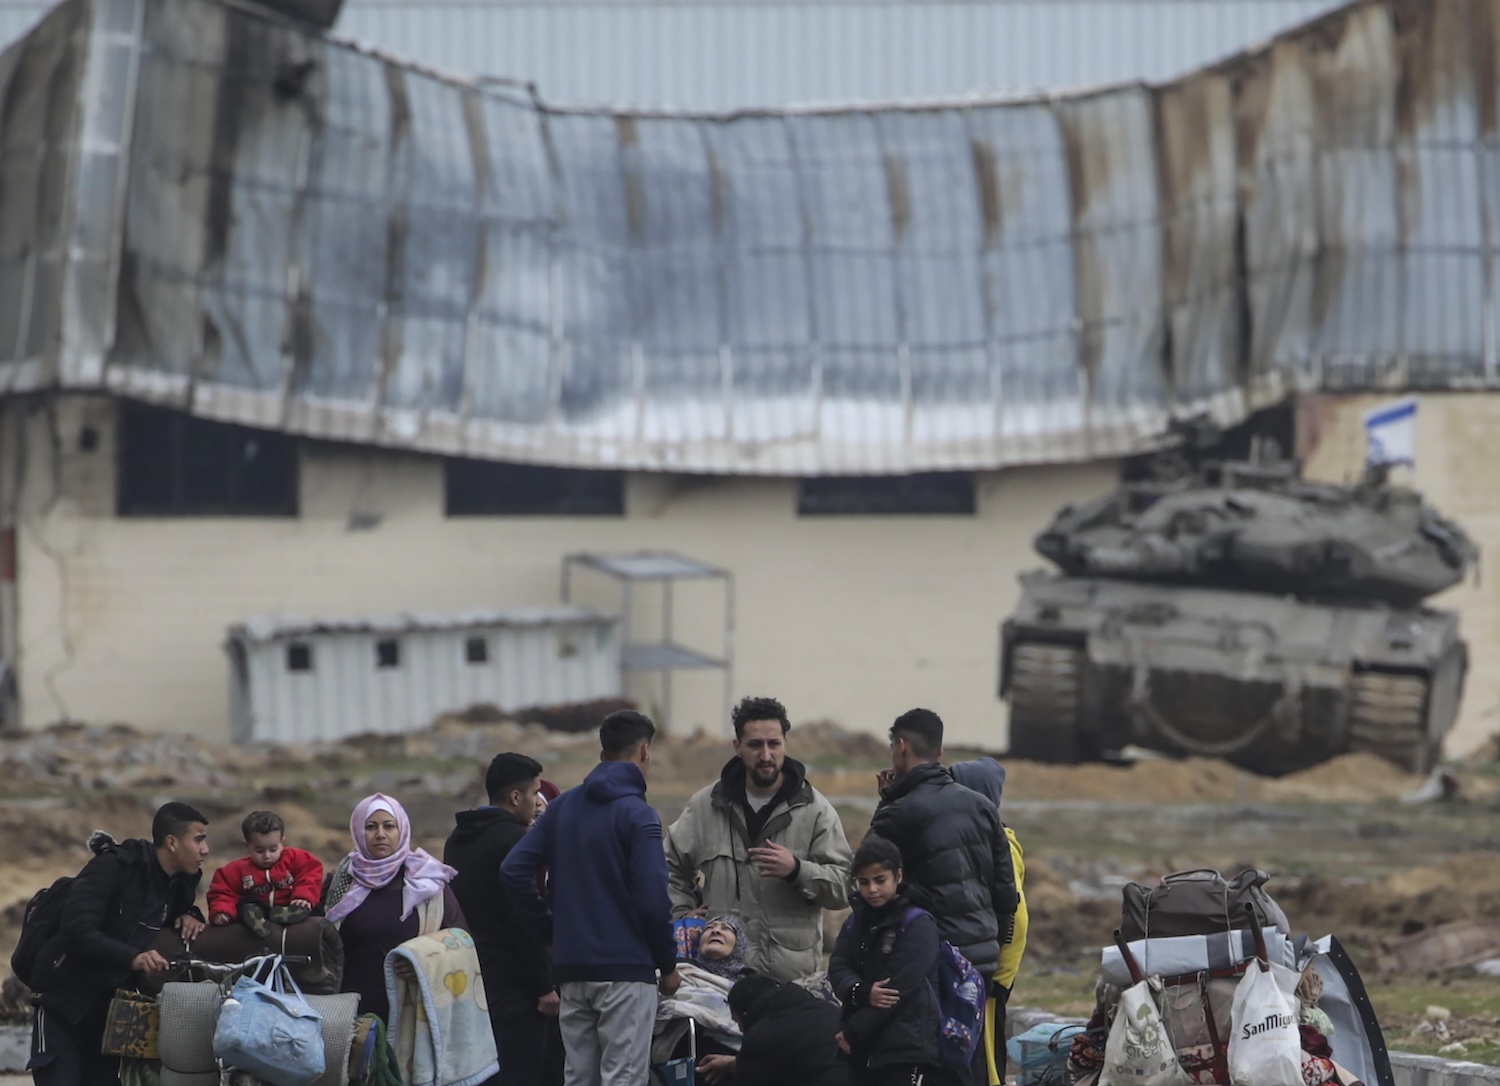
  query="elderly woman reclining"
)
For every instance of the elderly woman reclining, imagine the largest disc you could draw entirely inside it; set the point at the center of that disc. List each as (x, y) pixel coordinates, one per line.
(710, 968)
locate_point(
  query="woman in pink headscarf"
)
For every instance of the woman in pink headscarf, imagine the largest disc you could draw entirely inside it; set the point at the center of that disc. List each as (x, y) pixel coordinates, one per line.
(384, 893)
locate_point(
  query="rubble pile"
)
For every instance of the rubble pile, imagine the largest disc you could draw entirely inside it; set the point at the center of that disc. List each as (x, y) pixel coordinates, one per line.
(118, 757)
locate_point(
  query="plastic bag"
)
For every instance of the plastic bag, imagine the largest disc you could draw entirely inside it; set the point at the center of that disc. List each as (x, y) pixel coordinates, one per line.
(271, 1032)
(1139, 1052)
(1265, 1044)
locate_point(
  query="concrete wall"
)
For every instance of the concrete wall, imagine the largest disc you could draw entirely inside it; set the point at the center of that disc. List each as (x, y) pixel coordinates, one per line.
(1458, 447)
(848, 618)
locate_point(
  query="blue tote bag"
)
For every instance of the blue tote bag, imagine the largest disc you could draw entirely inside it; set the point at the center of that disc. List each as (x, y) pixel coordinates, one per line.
(268, 1029)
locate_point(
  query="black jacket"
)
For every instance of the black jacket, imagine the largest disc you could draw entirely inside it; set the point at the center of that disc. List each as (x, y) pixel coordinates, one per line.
(113, 911)
(512, 959)
(956, 859)
(872, 947)
(790, 1041)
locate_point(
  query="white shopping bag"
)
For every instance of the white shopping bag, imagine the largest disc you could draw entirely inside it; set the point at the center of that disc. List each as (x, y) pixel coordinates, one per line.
(1139, 1052)
(1265, 1043)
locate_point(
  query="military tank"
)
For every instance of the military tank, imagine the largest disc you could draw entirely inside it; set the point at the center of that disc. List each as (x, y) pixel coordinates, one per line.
(1233, 609)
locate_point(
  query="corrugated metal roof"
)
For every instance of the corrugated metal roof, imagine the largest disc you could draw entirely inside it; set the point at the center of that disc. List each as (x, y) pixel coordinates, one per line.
(260, 225)
(281, 627)
(727, 54)
(724, 57)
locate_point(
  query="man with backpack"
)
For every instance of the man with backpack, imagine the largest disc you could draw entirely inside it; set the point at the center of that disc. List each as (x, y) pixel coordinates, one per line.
(958, 863)
(84, 938)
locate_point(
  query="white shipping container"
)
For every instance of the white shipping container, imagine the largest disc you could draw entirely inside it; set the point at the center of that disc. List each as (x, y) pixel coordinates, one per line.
(295, 680)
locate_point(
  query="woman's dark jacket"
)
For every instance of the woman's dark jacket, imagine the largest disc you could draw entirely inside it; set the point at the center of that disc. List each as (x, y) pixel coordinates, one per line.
(791, 1040)
(871, 947)
(112, 912)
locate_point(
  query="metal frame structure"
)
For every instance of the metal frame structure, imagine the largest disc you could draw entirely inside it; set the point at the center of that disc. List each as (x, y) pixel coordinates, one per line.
(662, 656)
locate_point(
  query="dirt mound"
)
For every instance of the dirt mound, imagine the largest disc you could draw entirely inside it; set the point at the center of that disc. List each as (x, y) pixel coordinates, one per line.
(1352, 777)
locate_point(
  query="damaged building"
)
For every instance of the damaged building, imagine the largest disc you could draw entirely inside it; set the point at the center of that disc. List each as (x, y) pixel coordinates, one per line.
(289, 326)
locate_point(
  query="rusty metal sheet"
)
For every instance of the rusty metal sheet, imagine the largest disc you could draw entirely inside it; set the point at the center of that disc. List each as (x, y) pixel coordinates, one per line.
(257, 223)
(1027, 278)
(1117, 266)
(1200, 273)
(41, 82)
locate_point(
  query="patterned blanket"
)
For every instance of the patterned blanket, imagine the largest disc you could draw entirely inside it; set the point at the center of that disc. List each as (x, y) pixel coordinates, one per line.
(440, 1024)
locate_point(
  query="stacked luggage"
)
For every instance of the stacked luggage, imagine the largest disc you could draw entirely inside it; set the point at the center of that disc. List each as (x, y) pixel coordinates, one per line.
(1205, 985)
(247, 1001)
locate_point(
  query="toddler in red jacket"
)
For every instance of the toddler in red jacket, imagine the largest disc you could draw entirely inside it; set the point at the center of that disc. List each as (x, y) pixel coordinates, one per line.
(271, 884)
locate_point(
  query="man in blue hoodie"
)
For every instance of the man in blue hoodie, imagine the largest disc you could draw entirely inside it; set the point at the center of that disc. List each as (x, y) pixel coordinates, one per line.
(610, 923)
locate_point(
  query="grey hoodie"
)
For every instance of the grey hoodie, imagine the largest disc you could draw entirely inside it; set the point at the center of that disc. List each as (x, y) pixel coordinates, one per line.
(983, 775)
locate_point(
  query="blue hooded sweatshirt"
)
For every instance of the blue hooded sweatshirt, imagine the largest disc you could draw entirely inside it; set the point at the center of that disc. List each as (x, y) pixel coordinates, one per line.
(601, 843)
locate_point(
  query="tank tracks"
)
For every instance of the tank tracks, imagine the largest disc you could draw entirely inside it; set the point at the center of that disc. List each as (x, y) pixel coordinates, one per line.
(1045, 701)
(1388, 717)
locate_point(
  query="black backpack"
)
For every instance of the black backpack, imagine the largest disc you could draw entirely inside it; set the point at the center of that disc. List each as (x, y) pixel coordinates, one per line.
(42, 920)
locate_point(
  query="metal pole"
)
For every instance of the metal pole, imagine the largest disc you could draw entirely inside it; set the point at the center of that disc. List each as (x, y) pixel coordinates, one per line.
(624, 632)
(728, 648)
(666, 640)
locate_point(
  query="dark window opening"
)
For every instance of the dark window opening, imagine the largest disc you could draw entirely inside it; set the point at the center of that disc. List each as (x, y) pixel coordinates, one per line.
(483, 488)
(1203, 444)
(387, 653)
(299, 657)
(930, 494)
(477, 650)
(174, 465)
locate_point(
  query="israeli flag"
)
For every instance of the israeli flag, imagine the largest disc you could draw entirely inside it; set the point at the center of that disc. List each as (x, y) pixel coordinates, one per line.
(1391, 431)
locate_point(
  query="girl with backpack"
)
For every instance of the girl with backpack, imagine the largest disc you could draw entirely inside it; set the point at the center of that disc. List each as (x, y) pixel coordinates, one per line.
(885, 972)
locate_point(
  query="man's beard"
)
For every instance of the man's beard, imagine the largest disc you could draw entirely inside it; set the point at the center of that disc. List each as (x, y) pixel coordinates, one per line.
(765, 776)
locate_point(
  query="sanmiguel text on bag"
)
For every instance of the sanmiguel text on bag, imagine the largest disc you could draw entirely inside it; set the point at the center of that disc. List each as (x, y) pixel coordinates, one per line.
(1265, 1044)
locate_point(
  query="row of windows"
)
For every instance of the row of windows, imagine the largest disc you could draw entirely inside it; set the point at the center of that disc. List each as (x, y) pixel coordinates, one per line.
(300, 657)
(174, 465)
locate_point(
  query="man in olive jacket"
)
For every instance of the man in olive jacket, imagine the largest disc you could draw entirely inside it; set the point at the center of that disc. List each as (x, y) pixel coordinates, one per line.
(768, 845)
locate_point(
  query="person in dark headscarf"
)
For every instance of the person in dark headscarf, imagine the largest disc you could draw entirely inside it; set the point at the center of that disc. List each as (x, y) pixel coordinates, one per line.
(721, 948)
(546, 793)
(790, 1037)
(709, 971)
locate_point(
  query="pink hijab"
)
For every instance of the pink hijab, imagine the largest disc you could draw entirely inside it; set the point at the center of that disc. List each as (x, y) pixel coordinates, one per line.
(424, 875)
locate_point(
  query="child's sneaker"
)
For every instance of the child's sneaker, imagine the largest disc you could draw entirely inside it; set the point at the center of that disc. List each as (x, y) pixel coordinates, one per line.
(253, 916)
(287, 915)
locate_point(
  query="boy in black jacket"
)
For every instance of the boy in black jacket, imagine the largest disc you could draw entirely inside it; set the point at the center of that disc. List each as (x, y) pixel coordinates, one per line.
(885, 973)
(512, 960)
(127, 893)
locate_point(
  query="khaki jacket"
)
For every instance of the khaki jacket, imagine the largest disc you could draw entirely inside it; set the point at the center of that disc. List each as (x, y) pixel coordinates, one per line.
(783, 918)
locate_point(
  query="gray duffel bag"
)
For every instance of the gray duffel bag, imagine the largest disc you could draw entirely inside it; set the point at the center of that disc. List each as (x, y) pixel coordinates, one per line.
(1201, 902)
